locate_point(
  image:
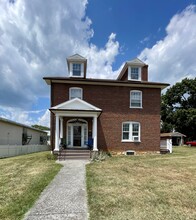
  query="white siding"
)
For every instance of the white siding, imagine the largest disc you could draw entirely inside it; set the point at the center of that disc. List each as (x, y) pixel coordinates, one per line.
(10, 134)
(166, 144)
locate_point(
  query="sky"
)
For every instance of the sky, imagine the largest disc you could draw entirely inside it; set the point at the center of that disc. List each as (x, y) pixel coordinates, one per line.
(37, 36)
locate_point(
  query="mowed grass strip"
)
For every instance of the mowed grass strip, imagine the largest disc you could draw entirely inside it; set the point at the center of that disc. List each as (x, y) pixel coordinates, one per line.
(144, 187)
(22, 179)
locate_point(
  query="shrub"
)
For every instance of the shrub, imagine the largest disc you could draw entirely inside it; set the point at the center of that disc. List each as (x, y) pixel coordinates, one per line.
(51, 156)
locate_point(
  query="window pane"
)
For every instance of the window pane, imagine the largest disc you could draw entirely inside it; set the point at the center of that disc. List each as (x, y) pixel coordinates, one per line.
(134, 73)
(69, 135)
(76, 69)
(136, 99)
(125, 135)
(126, 127)
(76, 93)
(135, 130)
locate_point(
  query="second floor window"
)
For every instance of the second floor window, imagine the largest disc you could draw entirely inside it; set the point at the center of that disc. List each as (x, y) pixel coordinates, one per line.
(135, 99)
(77, 70)
(75, 92)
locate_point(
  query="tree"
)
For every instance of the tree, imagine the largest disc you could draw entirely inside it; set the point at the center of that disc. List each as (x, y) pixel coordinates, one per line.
(178, 108)
(40, 127)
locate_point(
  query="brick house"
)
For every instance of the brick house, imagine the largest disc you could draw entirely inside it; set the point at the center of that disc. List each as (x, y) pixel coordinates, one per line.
(115, 115)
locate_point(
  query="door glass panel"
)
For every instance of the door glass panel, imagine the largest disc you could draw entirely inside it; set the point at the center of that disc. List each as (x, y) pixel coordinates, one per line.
(85, 135)
(69, 136)
(77, 135)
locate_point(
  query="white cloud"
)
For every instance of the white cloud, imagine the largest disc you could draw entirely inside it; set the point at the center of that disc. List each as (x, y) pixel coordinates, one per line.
(173, 58)
(44, 119)
(35, 39)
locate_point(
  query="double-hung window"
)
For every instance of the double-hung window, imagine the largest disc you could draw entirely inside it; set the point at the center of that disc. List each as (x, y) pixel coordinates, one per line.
(134, 73)
(135, 99)
(131, 132)
(76, 71)
(75, 92)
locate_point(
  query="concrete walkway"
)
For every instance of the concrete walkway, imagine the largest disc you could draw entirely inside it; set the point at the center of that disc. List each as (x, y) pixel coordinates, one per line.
(65, 197)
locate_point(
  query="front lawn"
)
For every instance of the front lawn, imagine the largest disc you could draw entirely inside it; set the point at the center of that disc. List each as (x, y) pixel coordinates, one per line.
(22, 179)
(144, 187)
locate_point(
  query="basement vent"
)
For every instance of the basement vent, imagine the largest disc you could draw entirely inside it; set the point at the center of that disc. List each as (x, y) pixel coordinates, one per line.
(130, 152)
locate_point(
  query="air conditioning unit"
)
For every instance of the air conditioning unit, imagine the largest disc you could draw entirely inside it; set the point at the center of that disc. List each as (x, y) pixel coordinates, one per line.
(135, 138)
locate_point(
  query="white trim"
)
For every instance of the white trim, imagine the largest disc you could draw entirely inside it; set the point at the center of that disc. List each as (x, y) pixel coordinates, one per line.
(78, 88)
(61, 127)
(95, 133)
(139, 73)
(131, 137)
(78, 101)
(57, 134)
(141, 102)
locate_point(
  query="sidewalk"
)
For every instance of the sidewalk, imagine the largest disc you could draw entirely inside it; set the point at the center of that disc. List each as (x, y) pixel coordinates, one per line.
(65, 197)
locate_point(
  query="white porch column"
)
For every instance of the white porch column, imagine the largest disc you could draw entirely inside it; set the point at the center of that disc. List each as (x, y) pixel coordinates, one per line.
(61, 127)
(57, 134)
(95, 133)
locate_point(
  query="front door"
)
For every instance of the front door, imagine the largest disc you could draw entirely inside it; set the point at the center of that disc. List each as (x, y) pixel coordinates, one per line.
(77, 135)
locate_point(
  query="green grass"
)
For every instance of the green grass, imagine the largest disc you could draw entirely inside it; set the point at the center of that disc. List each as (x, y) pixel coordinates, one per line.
(22, 179)
(144, 187)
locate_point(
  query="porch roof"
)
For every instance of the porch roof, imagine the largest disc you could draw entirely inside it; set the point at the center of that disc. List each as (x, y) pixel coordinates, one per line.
(75, 106)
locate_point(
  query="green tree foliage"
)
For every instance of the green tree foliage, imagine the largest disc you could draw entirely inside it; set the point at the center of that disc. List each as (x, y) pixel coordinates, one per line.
(178, 108)
(40, 127)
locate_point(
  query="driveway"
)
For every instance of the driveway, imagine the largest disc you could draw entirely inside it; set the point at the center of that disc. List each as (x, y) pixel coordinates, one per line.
(65, 197)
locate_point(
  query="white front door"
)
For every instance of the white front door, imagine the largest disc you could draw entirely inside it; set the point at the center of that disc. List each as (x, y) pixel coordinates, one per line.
(77, 133)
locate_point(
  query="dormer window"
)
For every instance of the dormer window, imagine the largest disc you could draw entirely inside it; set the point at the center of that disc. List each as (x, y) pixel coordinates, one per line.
(77, 66)
(76, 70)
(134, 73)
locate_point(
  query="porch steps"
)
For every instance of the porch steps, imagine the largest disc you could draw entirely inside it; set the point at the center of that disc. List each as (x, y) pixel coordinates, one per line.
(76, 154)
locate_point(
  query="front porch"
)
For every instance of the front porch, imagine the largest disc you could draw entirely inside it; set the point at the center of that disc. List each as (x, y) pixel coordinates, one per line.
(75, 125)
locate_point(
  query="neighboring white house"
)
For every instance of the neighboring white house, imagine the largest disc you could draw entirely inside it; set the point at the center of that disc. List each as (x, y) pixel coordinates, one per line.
(166, 144)
(13, 133)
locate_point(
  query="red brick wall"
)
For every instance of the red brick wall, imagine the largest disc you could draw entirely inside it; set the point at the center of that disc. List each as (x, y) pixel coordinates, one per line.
(115, 102)
(145, 73)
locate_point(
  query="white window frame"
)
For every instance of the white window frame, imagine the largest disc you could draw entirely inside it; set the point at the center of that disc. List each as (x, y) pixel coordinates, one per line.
(132, 138)
(131, 98)
(139, 73)
(78, 88)
(82, 70)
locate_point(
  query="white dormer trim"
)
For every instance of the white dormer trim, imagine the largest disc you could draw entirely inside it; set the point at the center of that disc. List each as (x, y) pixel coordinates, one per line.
(139, 73)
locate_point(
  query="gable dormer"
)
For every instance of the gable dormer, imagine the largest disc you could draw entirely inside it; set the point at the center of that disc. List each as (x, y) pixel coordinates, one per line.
(77, 66)
(134, 70)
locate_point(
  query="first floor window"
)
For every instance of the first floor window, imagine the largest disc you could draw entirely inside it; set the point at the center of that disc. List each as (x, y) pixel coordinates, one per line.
(75, 92)
(135, 99)
(131, 131)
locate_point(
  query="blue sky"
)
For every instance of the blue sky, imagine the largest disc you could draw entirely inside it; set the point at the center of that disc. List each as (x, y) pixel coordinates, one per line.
(137, 23)
(36, 38)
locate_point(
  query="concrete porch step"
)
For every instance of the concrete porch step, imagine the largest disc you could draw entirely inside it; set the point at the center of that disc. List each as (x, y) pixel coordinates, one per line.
(73, 158)
(74, 154)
